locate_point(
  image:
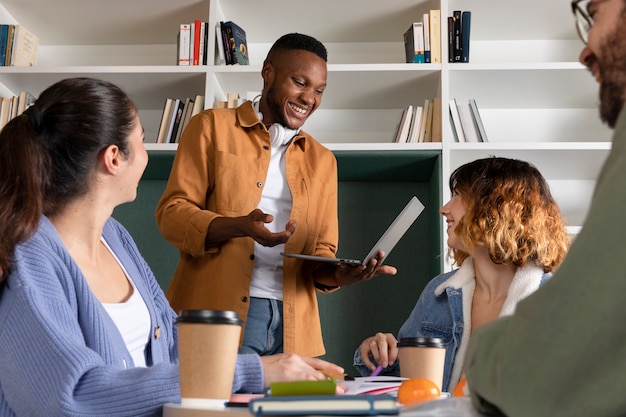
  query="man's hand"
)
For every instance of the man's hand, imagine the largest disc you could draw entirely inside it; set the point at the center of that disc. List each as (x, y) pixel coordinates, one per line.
(255, 227)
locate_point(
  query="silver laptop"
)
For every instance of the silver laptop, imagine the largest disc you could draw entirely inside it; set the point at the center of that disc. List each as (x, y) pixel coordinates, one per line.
(387, 241)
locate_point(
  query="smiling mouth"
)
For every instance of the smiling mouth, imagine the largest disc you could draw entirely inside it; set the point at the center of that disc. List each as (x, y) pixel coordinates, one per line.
(298, 109)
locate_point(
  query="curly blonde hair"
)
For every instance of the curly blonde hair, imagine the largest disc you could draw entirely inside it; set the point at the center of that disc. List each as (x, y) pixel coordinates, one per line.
(511, 212)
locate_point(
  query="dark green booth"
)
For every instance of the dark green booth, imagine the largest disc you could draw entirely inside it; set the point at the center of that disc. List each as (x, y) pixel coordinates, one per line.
(373, 187)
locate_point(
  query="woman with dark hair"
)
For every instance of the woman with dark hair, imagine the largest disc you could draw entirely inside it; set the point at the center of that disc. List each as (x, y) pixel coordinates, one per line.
(507, 235)
(85, 328)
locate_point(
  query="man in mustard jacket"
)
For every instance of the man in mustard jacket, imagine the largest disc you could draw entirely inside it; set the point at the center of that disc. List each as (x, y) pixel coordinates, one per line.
(247, 184)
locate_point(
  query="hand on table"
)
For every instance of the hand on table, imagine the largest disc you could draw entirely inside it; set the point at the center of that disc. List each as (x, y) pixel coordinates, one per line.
(292, 367)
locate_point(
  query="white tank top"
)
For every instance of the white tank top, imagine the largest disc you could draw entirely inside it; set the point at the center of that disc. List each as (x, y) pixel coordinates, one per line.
(132, 320)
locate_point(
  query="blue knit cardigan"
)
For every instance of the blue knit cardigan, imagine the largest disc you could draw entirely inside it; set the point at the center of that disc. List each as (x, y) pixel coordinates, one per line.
(62, 355)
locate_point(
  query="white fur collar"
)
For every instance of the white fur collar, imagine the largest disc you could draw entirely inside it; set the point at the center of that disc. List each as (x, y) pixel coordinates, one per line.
(525, 281)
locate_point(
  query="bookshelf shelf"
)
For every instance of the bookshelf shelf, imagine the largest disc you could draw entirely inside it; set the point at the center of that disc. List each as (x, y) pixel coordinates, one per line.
(536, 100)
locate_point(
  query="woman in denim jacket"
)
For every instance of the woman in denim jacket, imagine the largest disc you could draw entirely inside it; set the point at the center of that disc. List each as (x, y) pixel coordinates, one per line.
(507, 234)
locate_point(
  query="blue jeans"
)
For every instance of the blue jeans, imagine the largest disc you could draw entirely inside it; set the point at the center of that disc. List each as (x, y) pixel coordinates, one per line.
(264, 327)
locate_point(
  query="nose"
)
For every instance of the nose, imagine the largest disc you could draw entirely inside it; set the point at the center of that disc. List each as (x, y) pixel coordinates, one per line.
(585, 57)
(443, 210)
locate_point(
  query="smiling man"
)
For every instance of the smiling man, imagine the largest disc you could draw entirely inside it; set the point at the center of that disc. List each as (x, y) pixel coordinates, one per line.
(563, 353)
(247, 184)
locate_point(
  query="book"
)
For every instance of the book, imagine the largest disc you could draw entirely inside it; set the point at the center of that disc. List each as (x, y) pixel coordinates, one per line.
(457, 35)
(435, 36)
(437, 121)
(198, 104)
(178, 115)
(450, 39)
(205, 43)
(226, 44)
(383, 404)
(220, 57)
(414, 43)
(422, 128)
(456, 121)
(402, 131)
(478, 120)
(466, 19)
(11, 34)
(4, 37)
(238, 43)
(428, 126)
(415, 125)
(195, 46)
(25, 48)
(426, 29)
(186, 115)
(184, 41)
(24, 101)
(467, 122)
(5, 111)
(166, 118)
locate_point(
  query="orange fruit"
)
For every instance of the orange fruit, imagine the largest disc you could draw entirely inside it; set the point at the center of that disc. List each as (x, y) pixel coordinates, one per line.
(417, 389)
(461, 388)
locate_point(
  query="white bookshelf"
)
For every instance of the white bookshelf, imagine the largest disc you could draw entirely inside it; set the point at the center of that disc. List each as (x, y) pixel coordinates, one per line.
(537, 102)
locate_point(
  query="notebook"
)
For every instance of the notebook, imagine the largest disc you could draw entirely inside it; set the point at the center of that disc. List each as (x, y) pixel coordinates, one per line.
(387, 241)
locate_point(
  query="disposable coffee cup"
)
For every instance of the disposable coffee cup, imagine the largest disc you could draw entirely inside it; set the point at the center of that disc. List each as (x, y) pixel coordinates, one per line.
(422, 357)
(208, 341)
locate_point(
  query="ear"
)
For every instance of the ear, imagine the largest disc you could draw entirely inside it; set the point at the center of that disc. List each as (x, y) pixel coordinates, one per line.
(111, 159)
(267, 72)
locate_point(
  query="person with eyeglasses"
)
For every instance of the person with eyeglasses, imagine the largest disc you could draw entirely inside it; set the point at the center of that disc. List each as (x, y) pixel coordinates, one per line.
(563, 352)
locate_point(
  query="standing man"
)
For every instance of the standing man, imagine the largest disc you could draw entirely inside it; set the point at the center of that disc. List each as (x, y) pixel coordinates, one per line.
(247, 184)
(563, 352)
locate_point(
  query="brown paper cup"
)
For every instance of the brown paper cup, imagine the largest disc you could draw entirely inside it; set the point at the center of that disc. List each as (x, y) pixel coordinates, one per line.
(207, 353)
(422, 357)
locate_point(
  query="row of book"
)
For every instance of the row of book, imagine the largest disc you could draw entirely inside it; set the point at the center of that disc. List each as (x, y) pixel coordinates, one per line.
(19, 47)
(192, 43)
(176, 115)
(232, 45)
(467, 125)
(422, 40)
(420, 123)
(11, 107)
(459, 25)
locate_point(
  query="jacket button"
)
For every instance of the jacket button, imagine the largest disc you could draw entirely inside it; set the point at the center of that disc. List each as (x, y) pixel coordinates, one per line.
(259, 184)
(266, 147)
(252, 257)
(244, 299)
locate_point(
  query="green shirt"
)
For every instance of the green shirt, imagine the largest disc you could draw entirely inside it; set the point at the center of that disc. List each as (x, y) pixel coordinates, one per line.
(563, 353)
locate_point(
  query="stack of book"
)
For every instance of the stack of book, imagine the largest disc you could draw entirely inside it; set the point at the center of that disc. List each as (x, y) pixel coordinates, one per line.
(192, 43)
(467, 124)
(459, 36)
(18, 46)
(11, 107)
(420, 123)
(422, 41)
(176, 115)
(232, 45)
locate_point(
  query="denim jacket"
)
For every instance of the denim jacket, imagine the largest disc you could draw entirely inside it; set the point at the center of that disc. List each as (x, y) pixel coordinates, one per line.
(439, 312)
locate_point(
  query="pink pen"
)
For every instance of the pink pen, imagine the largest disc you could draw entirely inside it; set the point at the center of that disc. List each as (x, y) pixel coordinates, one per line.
(377, 371)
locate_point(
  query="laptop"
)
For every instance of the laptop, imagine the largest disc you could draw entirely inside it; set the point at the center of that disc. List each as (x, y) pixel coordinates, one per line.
(387, 241)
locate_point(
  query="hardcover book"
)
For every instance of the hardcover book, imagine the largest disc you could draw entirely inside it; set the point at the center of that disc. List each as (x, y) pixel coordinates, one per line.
(184, 44)
(435, 36)
(25, 48)
(237, 42)
(456, 32)
(414, 43)
(382, 404)
(466, 19)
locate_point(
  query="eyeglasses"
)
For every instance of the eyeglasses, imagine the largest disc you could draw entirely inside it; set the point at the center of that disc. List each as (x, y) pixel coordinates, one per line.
(583, 20)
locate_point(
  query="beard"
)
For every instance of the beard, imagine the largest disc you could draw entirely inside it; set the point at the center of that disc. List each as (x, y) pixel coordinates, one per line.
(613, 73)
